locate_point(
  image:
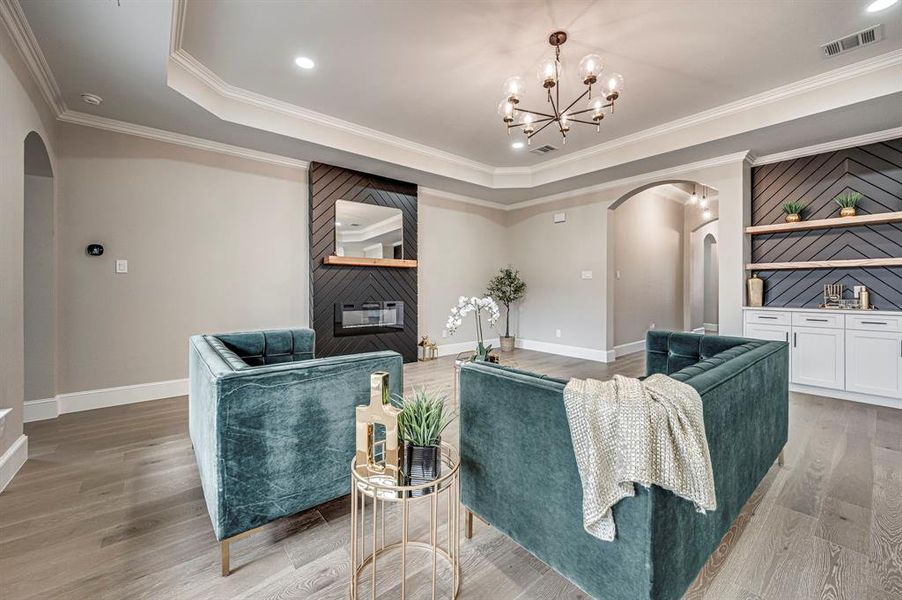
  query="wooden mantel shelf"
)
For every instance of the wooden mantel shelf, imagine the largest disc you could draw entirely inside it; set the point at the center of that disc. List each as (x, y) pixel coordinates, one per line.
(357, 261)
(890, 217)
(826, 264)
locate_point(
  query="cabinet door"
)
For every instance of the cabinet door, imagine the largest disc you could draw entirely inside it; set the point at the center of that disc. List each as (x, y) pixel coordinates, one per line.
(771, 333)
(874, 362)
(818, 357)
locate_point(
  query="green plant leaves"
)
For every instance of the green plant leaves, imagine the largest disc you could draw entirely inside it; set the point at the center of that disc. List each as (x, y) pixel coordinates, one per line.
(423, 417)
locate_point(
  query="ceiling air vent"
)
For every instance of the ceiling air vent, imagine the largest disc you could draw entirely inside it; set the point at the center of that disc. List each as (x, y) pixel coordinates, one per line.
(856, 40)
(544, 149)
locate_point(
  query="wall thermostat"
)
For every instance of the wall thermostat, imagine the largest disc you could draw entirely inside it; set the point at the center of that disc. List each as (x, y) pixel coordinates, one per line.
(94, 250)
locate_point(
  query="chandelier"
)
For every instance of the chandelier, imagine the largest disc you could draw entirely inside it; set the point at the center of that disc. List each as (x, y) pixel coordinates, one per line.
(532, 122)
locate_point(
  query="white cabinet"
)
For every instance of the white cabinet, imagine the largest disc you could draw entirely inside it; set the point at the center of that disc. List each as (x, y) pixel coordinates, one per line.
(874, 362)
(771, 333)
(818, 357)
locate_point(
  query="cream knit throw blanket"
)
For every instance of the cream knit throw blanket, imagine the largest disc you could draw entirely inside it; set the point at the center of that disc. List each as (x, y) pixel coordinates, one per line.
(627, 431)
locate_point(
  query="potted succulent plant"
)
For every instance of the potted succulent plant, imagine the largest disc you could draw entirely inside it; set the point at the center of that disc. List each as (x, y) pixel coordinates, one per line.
(847, 203)
(506, 287)
(478, 306)
(423, 418)
(793, 211)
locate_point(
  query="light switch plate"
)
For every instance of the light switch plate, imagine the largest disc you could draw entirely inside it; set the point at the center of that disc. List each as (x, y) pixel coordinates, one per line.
(586, 274)
(560, 217)
(121, 265)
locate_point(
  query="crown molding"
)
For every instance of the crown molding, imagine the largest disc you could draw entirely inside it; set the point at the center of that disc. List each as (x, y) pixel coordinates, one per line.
(16, 24)
(160, 135)
(851, 142)
(637, 180)
(194, 67)
(463, 199)
(177, 25)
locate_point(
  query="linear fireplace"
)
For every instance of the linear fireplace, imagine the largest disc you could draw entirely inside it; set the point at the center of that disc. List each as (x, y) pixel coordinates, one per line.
(363, 318)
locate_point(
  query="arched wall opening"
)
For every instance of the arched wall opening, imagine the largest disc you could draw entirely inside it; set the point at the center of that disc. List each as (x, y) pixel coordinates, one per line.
(662, 272)
(39, 279)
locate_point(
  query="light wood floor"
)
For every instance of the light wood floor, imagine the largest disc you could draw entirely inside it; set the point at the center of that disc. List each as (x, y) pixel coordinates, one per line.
(109, 506)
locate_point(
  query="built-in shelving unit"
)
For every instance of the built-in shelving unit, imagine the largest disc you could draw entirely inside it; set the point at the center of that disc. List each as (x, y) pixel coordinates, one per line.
(876, 219)
(826, 264)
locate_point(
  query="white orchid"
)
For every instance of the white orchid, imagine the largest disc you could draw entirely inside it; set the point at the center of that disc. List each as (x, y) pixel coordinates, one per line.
(480, 306)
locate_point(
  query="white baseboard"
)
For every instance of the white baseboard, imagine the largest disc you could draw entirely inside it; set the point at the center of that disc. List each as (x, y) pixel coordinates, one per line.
(457, 347)
(700, 330)
(12, 460)
(844, 395)
(631, 348)
(40, 410)
(710, 327)
(563, 350)
(50, 408)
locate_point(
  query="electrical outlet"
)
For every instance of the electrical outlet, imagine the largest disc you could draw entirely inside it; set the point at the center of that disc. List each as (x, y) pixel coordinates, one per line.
(586, 274)
(121, 265)
(651, 326)
(617, 274)
(444, 333)
(557, 333)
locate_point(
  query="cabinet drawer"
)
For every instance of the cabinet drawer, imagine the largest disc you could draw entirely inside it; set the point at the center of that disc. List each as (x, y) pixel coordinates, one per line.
(767, 317)
(874, 322)
(816, 319)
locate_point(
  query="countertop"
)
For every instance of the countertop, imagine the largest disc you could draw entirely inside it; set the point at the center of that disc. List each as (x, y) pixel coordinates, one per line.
(895, 313)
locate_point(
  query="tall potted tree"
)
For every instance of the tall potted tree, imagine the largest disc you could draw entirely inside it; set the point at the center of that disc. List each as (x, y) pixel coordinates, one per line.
(506, 288)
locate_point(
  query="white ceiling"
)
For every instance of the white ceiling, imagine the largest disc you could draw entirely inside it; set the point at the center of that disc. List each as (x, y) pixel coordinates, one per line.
(430, 72)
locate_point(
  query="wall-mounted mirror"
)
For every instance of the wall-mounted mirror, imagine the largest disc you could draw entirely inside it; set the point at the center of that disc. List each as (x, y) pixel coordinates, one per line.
(368, 231)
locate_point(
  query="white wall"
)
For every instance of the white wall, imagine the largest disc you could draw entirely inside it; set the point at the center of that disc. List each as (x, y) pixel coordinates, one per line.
(460, 247)
(21, 111)
(648, 255)
(40, 288)
(697, 275)
(710, 280)
(213, 243)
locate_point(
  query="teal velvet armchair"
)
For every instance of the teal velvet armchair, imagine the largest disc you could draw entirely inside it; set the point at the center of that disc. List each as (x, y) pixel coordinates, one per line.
(272, 426)
(519, 474)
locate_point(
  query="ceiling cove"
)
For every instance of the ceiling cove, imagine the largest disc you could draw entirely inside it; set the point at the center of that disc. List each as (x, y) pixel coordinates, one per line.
(853, 83)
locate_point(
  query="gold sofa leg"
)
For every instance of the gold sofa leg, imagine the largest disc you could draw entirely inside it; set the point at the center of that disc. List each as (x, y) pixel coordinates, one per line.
(469, 525)
(780, 460)
(224, 548)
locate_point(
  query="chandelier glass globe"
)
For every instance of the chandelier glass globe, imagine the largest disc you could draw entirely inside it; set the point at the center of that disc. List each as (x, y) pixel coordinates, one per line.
(590, 68)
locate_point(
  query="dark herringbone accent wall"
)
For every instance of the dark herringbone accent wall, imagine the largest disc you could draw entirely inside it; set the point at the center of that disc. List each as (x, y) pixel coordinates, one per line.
(874, 171)
(332, 283)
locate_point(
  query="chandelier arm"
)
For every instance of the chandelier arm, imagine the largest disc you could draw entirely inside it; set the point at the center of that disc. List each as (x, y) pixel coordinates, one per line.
(581, 121)
(557, 118)
(534, 112)
(536, 122)
(581, 96)
(530, 136)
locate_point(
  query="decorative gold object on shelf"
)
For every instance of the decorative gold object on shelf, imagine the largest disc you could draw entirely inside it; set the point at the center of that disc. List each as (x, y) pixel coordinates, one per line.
(428, 349)
(847, 212)
(864, 299)
(793, 218)
(378, 412)
(833, 298)
(755, 290)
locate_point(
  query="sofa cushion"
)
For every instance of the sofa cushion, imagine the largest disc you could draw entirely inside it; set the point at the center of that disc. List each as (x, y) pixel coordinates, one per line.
(668, 352)
(258, 348)
(718, 359)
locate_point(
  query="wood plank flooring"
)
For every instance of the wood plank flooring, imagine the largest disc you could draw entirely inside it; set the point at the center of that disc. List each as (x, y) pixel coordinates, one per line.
(109, 506)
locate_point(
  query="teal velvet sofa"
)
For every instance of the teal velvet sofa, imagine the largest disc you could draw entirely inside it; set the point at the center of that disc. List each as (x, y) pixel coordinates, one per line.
(272, 426)
(519, 474)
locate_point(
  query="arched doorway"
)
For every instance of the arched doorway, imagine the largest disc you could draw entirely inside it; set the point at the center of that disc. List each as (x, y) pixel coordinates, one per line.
(38, 272)
(659, 268)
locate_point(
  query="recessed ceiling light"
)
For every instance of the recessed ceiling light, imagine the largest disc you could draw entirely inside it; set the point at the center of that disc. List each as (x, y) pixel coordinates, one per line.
(304, 62)
(878, 5)
(516, 145)
(92, 99)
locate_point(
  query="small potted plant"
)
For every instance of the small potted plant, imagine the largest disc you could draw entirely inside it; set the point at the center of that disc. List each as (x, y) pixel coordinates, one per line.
(478, 306)
(507, 288)
(423, 418)
(847, 203)
(793, 211)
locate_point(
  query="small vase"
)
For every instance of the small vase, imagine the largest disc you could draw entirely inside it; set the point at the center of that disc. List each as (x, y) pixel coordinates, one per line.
(756, 291)
(507, 343)
(793, 218)
(848, 211)
(421, 464)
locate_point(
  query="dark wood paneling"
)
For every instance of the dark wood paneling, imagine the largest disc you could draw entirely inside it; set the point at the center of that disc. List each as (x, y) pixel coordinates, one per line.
(336, 283)
(875, 171)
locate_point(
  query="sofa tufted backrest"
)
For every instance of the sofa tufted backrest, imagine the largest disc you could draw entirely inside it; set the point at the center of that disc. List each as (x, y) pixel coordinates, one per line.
(259, 348)
(669, 352)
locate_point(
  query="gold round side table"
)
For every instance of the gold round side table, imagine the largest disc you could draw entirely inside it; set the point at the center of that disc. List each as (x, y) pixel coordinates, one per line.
(369, 495)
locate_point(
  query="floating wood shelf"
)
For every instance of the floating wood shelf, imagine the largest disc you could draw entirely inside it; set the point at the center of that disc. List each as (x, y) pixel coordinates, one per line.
(890, 217)
(826, 264)
(358, 261)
